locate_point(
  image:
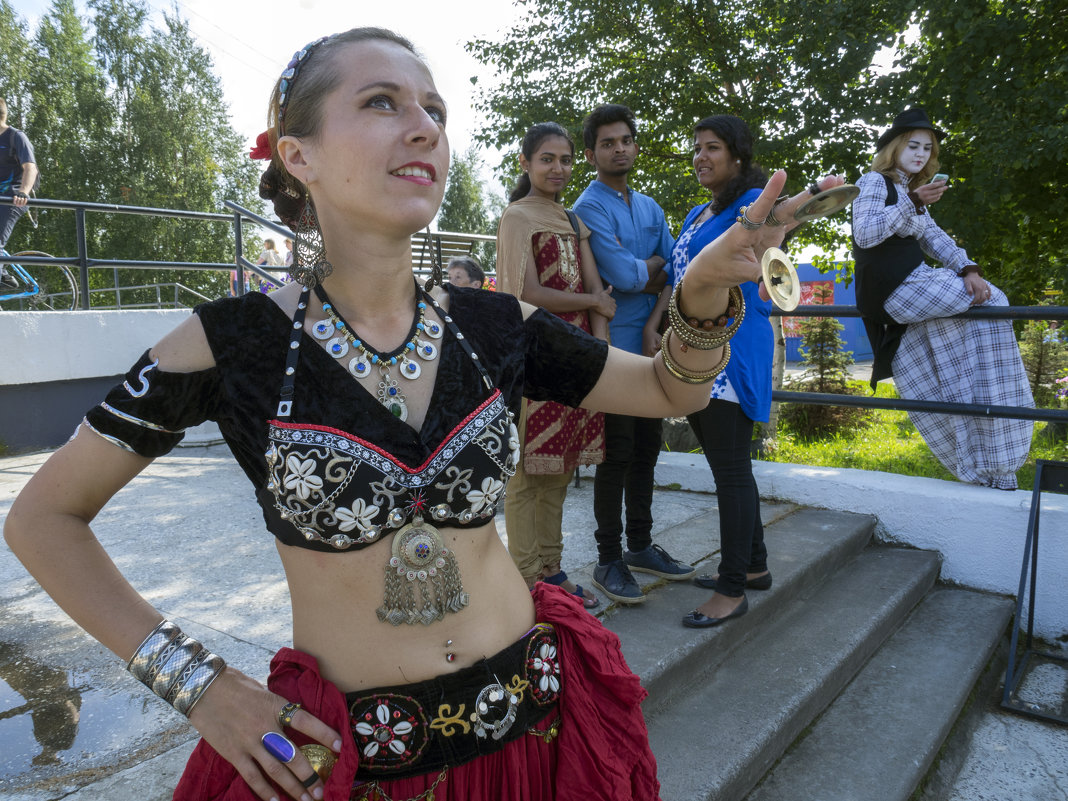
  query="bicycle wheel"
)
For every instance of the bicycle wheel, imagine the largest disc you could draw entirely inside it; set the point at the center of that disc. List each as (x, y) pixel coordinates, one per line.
(58, 286)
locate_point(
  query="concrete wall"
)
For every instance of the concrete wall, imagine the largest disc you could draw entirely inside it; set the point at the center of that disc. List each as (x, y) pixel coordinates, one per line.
(58, 364)
(979, 532)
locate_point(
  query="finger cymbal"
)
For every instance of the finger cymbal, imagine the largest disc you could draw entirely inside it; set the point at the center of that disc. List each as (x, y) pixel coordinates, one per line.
(827, 202)
(781, 280)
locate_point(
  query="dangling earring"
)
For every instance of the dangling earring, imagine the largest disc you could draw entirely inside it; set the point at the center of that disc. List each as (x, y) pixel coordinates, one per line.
(436, 277)
(310, 266)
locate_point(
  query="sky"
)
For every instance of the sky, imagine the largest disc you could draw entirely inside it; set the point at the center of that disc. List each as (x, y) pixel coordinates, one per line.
(251, 43)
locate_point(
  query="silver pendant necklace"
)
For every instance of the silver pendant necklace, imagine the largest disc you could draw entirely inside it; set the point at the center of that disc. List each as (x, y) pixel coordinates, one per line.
(340, 338)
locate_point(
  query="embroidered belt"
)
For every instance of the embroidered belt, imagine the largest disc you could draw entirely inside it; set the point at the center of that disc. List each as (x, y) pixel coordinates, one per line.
(411, 729)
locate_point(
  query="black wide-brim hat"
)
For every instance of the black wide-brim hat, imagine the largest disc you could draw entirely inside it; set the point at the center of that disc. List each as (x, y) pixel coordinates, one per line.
(908, 120)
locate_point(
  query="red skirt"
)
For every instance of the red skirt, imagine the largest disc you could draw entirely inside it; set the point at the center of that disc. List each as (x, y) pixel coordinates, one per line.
(601, 753)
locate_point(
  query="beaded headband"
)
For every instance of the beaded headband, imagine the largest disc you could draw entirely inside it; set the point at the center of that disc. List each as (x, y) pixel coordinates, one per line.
(289, 75)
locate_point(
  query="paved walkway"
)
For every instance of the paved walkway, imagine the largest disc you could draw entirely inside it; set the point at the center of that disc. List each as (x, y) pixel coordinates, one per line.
(188, 534)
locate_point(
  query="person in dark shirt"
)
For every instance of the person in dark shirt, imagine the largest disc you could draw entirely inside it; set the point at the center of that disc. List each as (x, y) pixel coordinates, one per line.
(18, 176)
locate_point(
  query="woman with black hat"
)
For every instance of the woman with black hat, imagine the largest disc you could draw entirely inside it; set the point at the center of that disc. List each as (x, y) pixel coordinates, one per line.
(907, 307)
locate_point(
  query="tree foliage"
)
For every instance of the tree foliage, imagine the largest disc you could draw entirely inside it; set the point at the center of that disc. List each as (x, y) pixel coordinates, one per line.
(806, 76)
(827, 371)
(122, 112)
(466, 207)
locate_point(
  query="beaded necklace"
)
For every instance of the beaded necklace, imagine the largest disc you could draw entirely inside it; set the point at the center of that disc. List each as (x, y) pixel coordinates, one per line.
(341, 336)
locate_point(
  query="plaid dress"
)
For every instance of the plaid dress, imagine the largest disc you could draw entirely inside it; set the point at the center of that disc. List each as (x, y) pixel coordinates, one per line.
(948, 359)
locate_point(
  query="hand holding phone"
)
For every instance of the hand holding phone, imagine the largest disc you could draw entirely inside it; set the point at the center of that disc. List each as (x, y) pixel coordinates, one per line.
(939, 176)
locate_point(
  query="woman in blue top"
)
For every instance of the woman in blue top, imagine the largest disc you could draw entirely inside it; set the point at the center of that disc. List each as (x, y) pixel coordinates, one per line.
(723, 161)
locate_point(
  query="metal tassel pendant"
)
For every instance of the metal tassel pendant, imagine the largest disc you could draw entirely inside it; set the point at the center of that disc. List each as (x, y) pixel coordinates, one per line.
(422, 578)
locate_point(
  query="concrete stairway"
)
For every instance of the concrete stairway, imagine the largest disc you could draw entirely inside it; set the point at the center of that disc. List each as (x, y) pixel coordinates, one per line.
(842, 681)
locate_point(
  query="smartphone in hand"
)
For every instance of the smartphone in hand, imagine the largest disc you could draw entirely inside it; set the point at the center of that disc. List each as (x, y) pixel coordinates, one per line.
(939, 176)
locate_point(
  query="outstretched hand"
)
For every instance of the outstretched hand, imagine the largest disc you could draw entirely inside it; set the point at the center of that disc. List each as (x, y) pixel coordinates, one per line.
(735, 255)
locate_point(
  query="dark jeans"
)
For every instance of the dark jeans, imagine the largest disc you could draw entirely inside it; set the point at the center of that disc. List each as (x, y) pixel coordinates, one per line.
(9, 215)
(632, 445)
(725, 432)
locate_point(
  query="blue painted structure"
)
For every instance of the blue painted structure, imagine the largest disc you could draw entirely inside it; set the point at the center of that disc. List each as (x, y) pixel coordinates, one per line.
(855, 338)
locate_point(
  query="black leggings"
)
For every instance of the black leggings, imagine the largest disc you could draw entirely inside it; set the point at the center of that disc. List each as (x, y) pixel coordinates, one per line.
(725, 432)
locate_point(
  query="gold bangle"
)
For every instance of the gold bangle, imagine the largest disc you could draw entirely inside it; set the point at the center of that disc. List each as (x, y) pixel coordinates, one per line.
(699, 338)
(691, 376)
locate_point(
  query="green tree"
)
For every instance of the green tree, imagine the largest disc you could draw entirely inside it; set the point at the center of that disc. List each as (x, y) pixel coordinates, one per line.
(1045, 359)
(995, 74)
(803, 75)
(465, 208)
(120, 112)
(677, 62)
(827, 371)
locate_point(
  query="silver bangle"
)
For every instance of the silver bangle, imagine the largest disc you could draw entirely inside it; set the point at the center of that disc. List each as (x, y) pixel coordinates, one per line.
(173, 668)
(143, 664)
(197, 683)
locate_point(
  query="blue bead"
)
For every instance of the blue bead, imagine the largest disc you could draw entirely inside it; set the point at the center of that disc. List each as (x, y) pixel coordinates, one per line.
(420, 326)
(374, 358)
(393, 360)
(411, 368)
(428, 350)
(392, 390)
(340, 326)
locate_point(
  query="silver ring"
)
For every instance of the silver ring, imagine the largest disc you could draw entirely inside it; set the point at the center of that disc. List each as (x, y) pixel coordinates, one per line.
(747, 223)
(286, 713)
(772, 220)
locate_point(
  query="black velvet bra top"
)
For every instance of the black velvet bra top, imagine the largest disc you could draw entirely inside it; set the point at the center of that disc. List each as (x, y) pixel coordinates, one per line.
(339, 489)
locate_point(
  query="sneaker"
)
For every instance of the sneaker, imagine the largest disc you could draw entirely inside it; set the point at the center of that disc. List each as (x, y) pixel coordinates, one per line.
(8, 281)
(615, 581)
(656, 560)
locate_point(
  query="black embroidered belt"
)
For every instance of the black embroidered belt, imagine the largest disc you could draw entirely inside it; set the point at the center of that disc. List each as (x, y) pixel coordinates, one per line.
(412, 729)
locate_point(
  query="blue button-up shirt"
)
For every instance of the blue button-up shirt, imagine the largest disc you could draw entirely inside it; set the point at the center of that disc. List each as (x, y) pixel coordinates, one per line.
(623, 235)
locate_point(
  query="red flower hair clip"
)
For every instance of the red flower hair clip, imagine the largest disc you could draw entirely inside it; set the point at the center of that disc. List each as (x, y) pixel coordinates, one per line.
(262, 150)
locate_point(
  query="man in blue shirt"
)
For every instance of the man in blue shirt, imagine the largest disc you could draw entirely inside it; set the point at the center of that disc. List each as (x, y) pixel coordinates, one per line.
(18, 174)
(632, 244)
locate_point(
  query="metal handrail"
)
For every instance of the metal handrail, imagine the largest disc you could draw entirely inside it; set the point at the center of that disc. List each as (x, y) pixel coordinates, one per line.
(238, 214)
(941, 407)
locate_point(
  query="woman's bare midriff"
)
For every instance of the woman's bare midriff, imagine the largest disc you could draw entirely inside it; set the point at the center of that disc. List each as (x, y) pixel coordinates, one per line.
(335, 596)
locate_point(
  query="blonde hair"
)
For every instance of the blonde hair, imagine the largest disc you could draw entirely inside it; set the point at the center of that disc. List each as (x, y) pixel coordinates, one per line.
(885, 160)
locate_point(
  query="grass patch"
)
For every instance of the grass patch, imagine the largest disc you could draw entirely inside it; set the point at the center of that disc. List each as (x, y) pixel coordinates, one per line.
(890, 443)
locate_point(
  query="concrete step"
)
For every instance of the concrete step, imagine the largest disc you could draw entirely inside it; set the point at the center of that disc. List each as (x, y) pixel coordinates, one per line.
(719, 731)
(881, 735)
(805, 545)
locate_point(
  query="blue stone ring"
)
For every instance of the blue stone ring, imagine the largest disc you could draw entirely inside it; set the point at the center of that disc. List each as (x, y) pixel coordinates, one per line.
(279, 746)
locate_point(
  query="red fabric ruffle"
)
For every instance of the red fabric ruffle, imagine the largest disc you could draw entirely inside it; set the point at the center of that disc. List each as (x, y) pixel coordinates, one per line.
(601, 754)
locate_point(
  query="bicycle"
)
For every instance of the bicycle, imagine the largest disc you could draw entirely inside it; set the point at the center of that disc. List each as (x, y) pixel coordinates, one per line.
(37, 287)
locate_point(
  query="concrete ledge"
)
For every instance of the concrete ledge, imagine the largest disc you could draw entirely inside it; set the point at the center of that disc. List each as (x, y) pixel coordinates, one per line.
(60, 346)
(978, 531)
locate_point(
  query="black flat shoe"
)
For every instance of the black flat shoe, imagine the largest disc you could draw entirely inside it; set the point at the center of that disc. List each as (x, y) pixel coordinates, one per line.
(695, 620)
(708, 582)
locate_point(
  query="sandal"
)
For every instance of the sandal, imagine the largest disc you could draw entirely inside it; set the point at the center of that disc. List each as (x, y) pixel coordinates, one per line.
(589, 600)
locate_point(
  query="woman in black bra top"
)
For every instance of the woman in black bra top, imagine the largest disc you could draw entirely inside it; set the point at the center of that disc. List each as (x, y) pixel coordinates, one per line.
(376, 422)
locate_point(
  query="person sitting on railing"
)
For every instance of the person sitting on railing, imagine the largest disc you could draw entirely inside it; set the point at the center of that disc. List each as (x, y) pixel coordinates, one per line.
(18, 177)
(906, 306)
(376, 422)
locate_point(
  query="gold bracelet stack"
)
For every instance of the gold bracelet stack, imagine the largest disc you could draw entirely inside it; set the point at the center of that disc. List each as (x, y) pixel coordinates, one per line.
(175, 667)
(690, 376)
(699, 338)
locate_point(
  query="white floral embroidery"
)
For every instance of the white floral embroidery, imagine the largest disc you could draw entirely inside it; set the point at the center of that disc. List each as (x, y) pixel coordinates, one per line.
(383, 732)
(300, 478)
(485, 496)
(361, 514)
(545, 661)
(513, 445)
